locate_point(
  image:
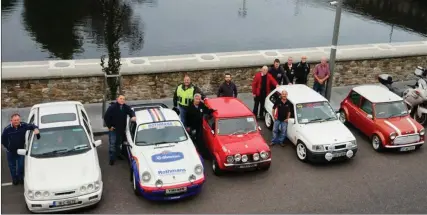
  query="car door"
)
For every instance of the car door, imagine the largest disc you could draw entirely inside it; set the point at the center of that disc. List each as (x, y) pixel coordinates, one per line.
(353, 107)
(209, 124)
(271, 99)
(365, 119)
(291, 131)
(31, 120)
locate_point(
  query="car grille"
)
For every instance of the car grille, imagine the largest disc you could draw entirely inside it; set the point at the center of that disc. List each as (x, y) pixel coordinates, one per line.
(65, 193)
(339, 146)
(412, 138)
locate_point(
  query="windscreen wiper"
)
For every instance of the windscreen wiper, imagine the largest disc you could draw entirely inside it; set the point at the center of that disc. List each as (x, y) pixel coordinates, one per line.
(54, 152)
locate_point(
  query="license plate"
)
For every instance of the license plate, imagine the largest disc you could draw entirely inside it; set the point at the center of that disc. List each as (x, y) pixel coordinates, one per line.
(176, 190)
(247, 166)
(409, 148)
(340, 154)
(66, 202)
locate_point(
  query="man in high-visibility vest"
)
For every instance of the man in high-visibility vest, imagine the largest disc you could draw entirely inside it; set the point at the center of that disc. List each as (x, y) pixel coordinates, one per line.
(183, 97)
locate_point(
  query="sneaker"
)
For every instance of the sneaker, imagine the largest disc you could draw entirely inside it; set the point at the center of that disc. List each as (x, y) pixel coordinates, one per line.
(15, 182)
(282, 144)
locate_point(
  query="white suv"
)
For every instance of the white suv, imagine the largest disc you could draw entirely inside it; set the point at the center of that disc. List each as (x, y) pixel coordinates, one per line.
(314, 126)
(62, 170)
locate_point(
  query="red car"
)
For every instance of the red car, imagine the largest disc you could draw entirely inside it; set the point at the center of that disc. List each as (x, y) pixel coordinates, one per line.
(233, 137)
(383, 116)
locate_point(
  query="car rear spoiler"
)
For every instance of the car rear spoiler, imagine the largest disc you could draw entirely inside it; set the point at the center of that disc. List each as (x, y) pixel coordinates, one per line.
(139, 107)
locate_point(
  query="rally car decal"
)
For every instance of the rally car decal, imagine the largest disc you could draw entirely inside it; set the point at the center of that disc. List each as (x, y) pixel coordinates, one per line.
(156, 115)
(167, 156)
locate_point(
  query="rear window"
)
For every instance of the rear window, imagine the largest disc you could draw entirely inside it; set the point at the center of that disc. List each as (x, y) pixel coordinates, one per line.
(59, 117)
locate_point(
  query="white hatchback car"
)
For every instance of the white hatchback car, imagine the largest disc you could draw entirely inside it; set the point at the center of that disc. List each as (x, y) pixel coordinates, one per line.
(314, 126)
(165, 164)
(62, 170)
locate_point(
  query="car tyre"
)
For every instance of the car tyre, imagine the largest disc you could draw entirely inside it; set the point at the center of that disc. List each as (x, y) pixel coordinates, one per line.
(377, 143)
(135, 190)
(268, 120)
(342, 116)
(301, 151)
(215, 168)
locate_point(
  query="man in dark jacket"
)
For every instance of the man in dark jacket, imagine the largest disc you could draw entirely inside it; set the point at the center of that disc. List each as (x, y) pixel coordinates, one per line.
(290, 70)
(183, 97)
(301, 71)
(277, 71)
(194, 119)
(12, 139)
(228, 88)
(115, 119)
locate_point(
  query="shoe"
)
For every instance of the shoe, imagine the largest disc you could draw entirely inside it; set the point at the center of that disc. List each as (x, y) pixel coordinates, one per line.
(271, 144)
(15, 182)
(282, 144)
(111, 163)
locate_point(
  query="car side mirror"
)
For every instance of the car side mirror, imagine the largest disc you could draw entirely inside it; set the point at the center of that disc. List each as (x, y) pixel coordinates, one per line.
(291, 121)
(338, 115)
(259, 128)
(22, 152)
(97, 143)
(213, 132)
(370, 116)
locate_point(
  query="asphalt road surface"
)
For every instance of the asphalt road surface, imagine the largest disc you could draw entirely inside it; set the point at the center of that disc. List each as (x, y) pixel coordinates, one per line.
(371, 183)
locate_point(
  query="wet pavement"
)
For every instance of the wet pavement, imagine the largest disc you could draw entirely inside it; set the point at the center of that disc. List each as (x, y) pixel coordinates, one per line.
(371, 183)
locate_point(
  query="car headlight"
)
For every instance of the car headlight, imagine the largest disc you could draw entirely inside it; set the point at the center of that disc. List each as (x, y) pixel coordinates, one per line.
(422, 132)
(352, 143)
(159, 183)
(38, 194)
(97, 185)
(46, 194)
(393, 135)
(192, 178)
(198, 169)
(244, 158)
(30, 194)
(230, 159)
(83, 189)
(88, 188)
(146, 176)
(317, 148)
(255, 157)
(237, 157)
(264, 155)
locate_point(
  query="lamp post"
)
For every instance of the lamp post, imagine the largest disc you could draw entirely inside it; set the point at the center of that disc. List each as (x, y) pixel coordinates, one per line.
(334, 47)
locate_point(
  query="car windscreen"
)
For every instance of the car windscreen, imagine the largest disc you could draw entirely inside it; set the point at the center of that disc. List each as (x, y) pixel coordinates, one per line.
(315, 112)
(237, 125)
(60, 141)
(59, 117)
(160, 132)
(390, 109)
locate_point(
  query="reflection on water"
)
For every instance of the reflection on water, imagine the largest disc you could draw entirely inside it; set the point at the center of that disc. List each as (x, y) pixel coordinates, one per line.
(74, 29)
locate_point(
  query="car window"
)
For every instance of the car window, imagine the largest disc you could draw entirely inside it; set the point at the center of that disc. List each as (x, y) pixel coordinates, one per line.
(390, 109)
(315, 112)
(238, 125)
(84, 116)
(355, 98)
(211, 122)
(160, 132)
(87, 126)
(275, 97)
(366, 106)
(30, 133)
(60, 141)
(132, 129)
(58, 117)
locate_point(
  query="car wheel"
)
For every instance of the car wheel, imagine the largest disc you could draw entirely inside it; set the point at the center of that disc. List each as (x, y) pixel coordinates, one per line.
(301, 150)
(215, 168)
(135, 190)
(422, 120)
(377, 143)
(343, 116)
(268, 120)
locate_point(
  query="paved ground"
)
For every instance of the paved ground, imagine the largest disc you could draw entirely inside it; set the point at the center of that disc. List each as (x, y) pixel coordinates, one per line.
(371, 183)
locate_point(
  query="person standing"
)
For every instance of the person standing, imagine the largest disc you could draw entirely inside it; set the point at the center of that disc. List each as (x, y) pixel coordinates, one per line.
(12, 139)
(278, 73)
(115, 119)
(301, 71)
(281, 111)
(194, 120)
(261, 87)
(183, 97)
(228, 88)
(290, 70)
(321, 75)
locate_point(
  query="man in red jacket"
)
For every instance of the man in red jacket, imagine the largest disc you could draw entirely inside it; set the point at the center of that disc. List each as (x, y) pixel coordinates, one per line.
(261, 88)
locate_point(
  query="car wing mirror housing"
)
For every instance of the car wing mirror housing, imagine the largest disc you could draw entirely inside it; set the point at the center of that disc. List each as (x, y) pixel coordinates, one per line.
(291, 120)
(259, 128)
(22, 152)
(97, 143)
(370, 116)
(213, 132)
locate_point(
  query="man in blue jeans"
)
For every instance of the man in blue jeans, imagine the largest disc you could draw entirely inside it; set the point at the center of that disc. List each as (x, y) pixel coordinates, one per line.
(12, 139)
(321, 75)
(115, 119)
(281, 111)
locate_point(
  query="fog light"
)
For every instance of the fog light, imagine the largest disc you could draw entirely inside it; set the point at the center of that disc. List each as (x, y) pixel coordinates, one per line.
(350, 153)
(328, 156)
(159, 183)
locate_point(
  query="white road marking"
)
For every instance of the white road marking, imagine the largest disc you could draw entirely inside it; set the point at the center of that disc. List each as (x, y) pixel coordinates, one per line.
(6, 184)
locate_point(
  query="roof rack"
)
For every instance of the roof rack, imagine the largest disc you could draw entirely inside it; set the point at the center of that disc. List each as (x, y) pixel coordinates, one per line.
(139, 107)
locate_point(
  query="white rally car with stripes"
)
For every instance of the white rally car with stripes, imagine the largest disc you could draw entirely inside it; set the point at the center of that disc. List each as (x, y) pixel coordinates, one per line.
(165, 164)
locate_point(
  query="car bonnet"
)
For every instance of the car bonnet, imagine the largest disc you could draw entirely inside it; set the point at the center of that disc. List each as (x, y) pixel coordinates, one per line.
(325, 132)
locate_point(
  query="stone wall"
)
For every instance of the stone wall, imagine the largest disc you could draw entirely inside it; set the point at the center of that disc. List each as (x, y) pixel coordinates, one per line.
(25, 92)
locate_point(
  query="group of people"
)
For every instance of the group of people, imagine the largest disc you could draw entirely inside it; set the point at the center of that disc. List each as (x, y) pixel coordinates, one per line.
(188, 103)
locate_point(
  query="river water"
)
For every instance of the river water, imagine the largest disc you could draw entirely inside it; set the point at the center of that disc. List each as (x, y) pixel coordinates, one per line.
(74, 29)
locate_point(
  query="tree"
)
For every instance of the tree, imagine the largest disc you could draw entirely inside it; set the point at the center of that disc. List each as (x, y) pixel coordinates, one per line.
(113, 15)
